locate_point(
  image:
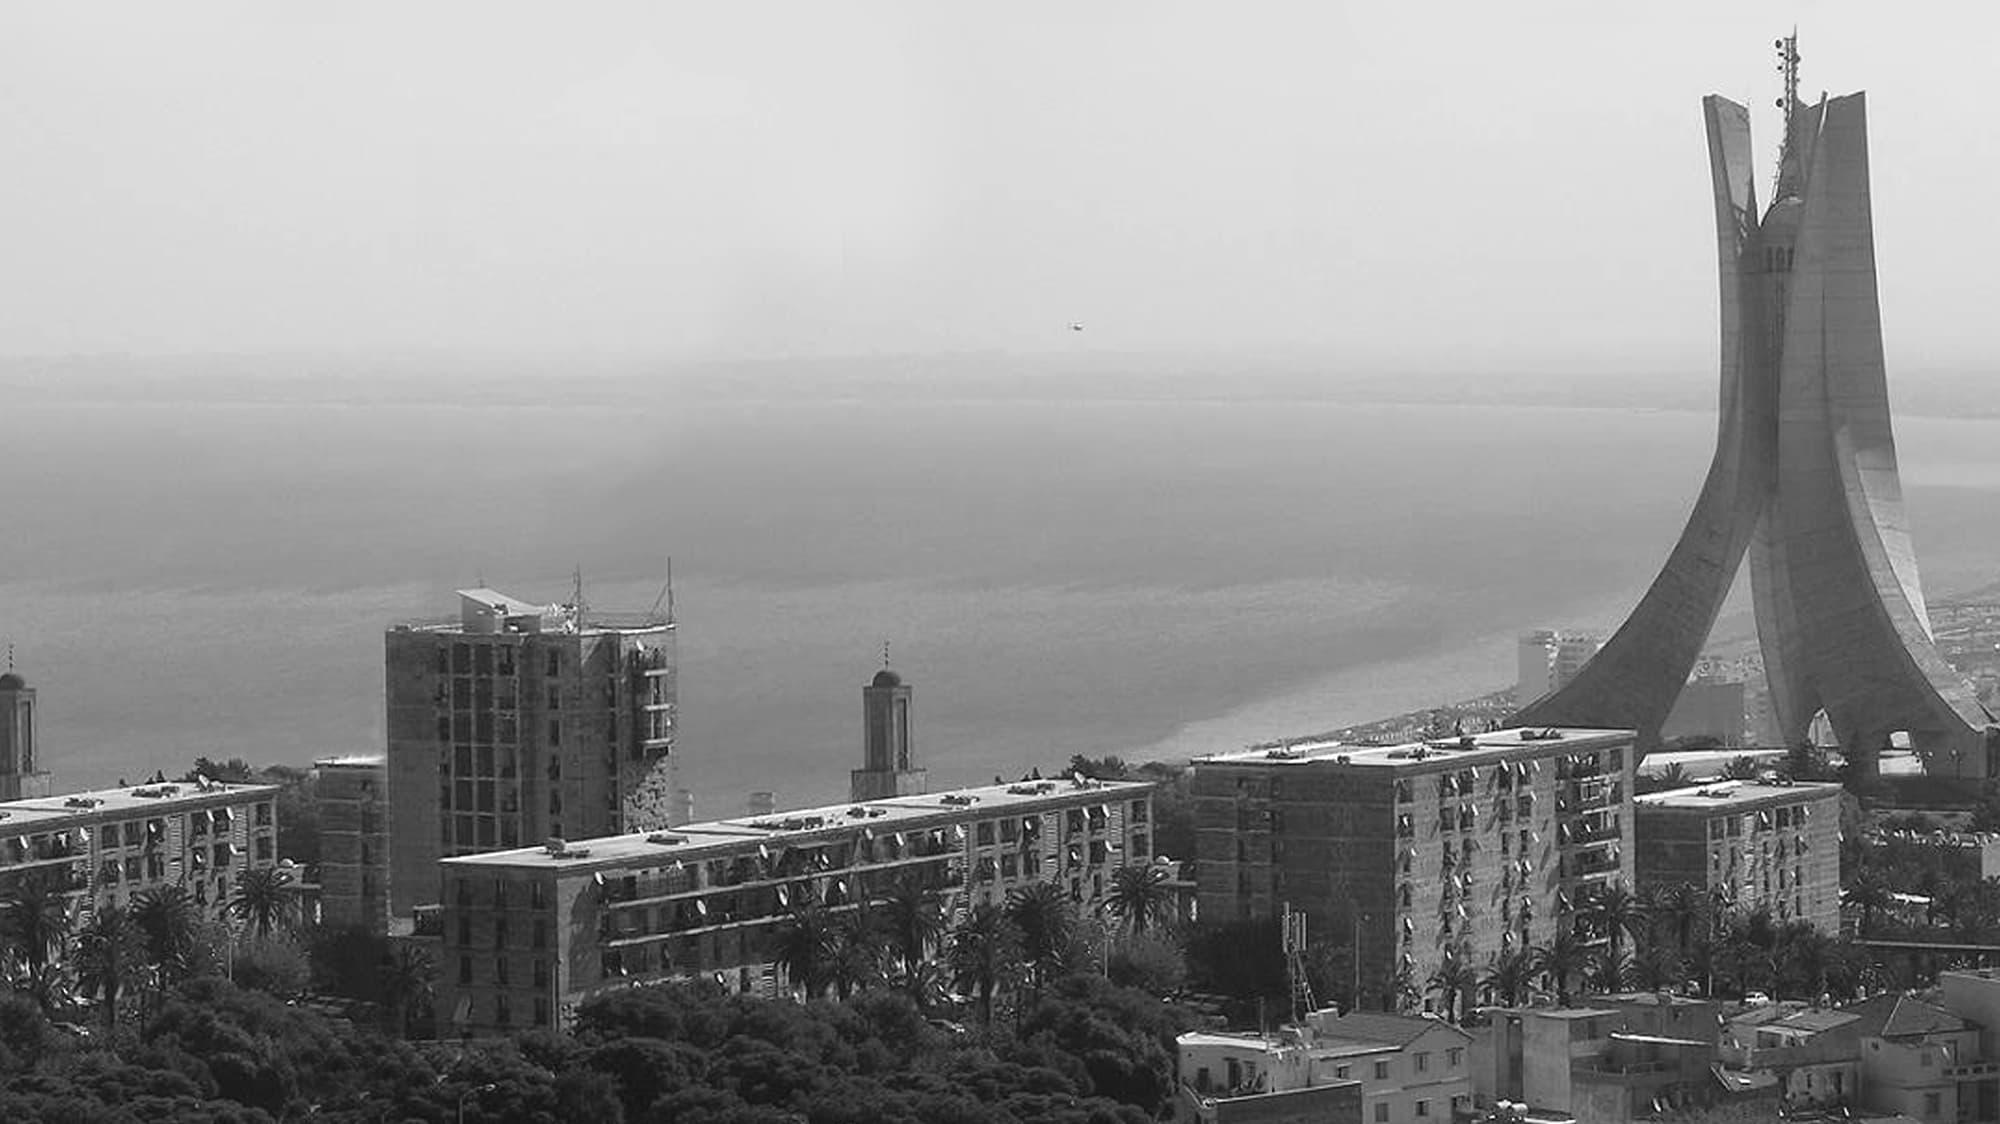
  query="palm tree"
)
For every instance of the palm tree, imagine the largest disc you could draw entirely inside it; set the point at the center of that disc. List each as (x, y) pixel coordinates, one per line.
(1452, 980)
(1674, 775)
(854, 954)
(1616, 913)
(984, 950)
(1609, 971)
(1562, 959)
(927, 983)
(1046, 920)
(1140, 896)
(35, 924)
(1870, 894)
(1683, 904)
(110, 950)
(1743, 768)
(168, 921)
(915, 923)
(803, 945)
(264, 898)
(1506, 979)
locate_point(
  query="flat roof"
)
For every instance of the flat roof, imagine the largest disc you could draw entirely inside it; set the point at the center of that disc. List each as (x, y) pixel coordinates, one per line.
(1727, 796)
(1472, 749)
(353, 761)
(895, 813)
(114, 802)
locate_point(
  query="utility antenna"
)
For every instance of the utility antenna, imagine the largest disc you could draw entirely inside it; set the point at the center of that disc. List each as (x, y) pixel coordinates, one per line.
(576, 596)
(666, 596)
(1788, 67)
(885, 653)
(1293, 939)
(10, 655)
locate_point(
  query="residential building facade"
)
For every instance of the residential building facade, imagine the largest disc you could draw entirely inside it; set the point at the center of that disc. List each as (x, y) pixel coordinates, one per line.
(1753, 844)
(352, 798)
(529, 933)
(514, 723)
(1409, 855)
(110, 845)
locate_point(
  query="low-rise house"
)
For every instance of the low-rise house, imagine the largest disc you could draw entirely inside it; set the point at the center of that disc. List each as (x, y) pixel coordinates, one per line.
(1617, 1058)
(1403, 1070)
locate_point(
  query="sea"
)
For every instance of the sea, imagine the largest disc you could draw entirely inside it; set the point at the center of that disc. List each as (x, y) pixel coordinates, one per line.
(205, 564)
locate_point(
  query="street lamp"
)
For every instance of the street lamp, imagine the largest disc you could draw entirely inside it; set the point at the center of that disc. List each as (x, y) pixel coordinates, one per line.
(468, 1095)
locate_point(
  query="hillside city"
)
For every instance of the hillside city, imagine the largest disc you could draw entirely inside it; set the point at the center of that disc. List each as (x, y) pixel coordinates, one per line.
(1666, 874)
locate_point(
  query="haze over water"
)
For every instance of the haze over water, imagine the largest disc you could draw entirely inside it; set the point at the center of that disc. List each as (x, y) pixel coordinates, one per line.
(1062, 564)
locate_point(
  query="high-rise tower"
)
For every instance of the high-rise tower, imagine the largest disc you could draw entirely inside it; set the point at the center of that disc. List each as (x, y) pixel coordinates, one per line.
(516, 722)
(21, 773)
(1804, 477)
(889, 767)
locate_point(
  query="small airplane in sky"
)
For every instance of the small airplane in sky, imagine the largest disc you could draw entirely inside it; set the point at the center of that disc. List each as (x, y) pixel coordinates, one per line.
(1076, 325)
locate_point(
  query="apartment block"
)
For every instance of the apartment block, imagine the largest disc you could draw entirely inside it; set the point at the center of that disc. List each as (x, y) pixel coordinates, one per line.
(514, 723)
(1409, 854)
(351, 795)
(1759, 845)
(529, 933)
(109, 845)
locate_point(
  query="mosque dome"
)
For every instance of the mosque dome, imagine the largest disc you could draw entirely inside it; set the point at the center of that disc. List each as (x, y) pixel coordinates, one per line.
(887, 678)
(11, 682)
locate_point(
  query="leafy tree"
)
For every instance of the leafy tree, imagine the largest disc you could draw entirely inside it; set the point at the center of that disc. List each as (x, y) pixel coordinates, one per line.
(109, 953)
(1675, 775)
(265, 898)
(1151, 962)
(1106, 768)
(1139, 896)
(985, 949)
(275, 966)
(410, 980)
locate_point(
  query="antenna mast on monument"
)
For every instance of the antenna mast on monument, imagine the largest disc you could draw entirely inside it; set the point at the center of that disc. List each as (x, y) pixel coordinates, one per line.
(1788, 66)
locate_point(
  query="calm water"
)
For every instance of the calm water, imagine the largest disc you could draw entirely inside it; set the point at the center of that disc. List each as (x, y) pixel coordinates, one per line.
(1056, 576)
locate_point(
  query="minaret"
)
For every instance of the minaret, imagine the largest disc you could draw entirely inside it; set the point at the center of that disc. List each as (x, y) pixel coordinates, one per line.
(21, 773)
(888, 766)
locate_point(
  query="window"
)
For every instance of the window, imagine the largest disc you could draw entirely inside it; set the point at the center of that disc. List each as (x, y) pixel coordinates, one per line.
(541, 973)
(500, 970)
(1423, 1063)
(1381, 1112)
(465, 969)
(1381, 1074)
(465, 930)
(554, 666)
(1340, 1072)
(501, 1014)
(541, 934)
(541, 1011)
(983, 833)
(1930, 1104)
(555, 698)
(263, 815)
(1454, 1056)
(1423, 1108)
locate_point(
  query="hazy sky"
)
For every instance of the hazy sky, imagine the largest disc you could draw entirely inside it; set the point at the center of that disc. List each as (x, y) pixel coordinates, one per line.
(1419, 185)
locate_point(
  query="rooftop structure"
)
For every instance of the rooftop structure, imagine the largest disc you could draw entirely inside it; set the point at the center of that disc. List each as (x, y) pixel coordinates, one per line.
(21, 772)
(1758, 845)
(1804, 478)
(514, 722)
(527, 933)
(1409, 855)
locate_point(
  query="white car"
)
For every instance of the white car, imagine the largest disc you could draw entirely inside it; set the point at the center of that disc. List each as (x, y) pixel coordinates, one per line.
(1756, 999)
